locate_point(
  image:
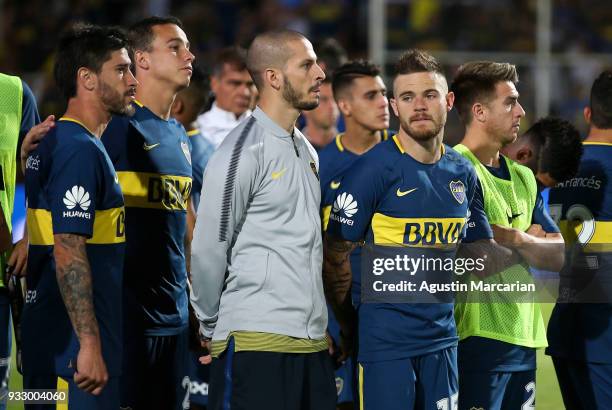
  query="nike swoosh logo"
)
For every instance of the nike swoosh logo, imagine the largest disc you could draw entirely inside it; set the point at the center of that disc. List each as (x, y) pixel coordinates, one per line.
(400, 193)
(149, 147)
(278, 174)
(334, 185)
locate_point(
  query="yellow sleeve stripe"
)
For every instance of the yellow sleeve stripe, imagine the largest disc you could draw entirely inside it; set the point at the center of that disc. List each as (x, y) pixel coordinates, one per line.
(193, 132)
(109, 227)
(325, 216)
(155, 191)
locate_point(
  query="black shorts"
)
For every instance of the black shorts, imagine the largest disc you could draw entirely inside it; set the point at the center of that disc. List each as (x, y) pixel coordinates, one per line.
(272, 381)
(155, 372)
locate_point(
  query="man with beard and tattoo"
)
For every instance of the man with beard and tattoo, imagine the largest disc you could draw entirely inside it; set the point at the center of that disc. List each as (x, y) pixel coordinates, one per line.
(256, 269)
(72, 317)
(409, 192)
(498, 341)
(151, 153)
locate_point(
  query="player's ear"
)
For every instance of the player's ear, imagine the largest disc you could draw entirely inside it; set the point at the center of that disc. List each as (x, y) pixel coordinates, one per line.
(86, 78)
(345, 107)
(479, 112)
(274, 78)
(524, 154)
(587, 114)
(177, 106)
(141, 59)
(450, 100)
(393, 103)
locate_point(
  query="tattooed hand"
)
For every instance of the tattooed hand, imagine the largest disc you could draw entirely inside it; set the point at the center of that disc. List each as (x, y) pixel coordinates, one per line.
(337, 277)
(74, 280)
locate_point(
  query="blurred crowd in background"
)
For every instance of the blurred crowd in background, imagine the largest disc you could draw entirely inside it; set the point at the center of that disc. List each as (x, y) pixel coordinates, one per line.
(29, 30)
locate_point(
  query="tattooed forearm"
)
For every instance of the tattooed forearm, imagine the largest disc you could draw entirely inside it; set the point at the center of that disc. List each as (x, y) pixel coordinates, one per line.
(337, 277)
(496, 257)
(74, 280)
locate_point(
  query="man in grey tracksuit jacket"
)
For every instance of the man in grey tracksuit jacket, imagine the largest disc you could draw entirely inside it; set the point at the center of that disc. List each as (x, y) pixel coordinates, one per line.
(257, 255)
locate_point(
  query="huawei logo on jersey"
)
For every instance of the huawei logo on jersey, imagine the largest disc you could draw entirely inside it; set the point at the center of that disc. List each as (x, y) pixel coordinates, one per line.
(345, 202)
(77, 196)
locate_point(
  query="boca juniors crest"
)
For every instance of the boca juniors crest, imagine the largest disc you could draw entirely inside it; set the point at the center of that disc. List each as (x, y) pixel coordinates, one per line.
(458, 190)
(185, 148)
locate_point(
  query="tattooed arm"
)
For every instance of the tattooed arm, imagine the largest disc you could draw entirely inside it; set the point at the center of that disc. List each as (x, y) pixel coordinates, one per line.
(74, 280)
(337, 277)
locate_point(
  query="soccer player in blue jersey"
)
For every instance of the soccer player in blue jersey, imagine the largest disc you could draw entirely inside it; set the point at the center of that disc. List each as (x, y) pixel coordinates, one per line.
(72, 317)
(19, 108)
(151, 153)
(551, 148)
(498, 341)
(580, 330)
(185, 109)
(362, 94)
(404, 192)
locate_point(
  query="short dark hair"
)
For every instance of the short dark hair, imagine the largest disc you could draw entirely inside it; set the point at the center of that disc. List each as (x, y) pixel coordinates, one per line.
(559, 147)
(198, 92)
(331, 53)
(84, 45)
(475, 81)
(345, 74)
(235, 57)
(141, 33)
(417, 61)
(601, 101)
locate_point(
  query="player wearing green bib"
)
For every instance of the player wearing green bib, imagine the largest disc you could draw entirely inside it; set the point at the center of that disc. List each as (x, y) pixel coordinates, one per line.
(498, 340)
(18, 114)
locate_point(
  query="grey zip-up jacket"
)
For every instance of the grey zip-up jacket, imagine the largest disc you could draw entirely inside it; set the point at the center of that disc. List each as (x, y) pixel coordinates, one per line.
(257, 251)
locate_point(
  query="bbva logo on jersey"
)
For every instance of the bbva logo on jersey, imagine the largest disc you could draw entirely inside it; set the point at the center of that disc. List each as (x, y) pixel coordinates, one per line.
(345, 203)
(77, 196)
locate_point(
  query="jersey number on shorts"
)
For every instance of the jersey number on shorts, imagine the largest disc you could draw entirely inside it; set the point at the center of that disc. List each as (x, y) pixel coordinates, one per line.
(448, 403)
(530, 403)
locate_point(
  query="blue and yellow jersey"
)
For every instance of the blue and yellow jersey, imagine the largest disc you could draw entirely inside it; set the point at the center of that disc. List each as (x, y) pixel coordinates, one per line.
(152, 159)
(334, 160)
(388, 198)
(583, 208)
(201, 150)
(72, 188)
